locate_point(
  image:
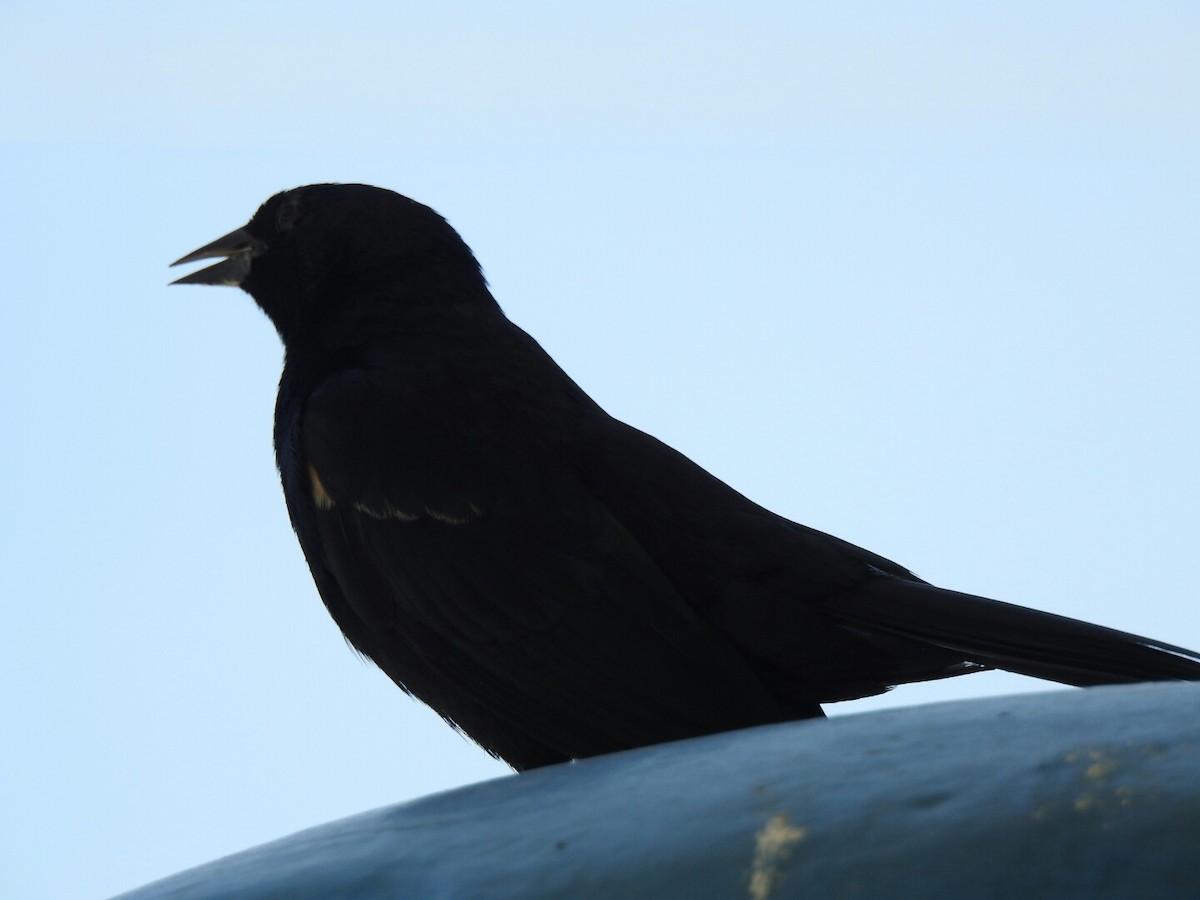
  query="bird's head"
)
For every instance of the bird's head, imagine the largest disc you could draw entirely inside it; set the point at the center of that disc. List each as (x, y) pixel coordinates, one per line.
(314, 251)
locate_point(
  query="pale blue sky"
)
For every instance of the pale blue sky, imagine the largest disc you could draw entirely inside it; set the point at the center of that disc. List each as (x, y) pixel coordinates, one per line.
(920, 276)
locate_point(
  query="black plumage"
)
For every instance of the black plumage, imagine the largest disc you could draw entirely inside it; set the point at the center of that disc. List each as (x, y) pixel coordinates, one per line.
(553, 582)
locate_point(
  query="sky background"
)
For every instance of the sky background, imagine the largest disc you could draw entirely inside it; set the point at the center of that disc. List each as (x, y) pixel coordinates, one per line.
(920, 275)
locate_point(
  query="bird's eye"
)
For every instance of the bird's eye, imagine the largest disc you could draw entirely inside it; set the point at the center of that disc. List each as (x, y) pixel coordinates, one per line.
(286, 217)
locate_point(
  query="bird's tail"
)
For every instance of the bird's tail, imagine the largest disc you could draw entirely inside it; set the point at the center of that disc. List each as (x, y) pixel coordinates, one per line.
(1014, 638)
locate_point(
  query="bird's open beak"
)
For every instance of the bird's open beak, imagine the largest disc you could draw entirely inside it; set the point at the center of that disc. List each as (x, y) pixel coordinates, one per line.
(238, 247)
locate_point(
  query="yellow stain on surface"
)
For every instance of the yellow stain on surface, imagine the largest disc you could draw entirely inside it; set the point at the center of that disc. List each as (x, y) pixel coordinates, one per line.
(321, 497)
(1094, 793)
(772, 846)
(1100, 769)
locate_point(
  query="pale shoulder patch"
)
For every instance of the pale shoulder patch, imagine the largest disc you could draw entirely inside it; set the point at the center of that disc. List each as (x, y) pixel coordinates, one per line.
(388, 512)
(473, 512)
(321, 497)
(324, 501)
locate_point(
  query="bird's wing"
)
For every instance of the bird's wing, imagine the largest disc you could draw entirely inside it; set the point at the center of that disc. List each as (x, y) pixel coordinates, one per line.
(770, 586)
(479, 572)
(832, 621)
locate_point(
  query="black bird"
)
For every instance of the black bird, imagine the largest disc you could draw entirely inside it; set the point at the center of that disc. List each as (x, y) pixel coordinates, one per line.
(555, 583)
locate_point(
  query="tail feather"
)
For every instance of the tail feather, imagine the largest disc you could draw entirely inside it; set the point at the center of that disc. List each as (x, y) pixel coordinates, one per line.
(1014, 638)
